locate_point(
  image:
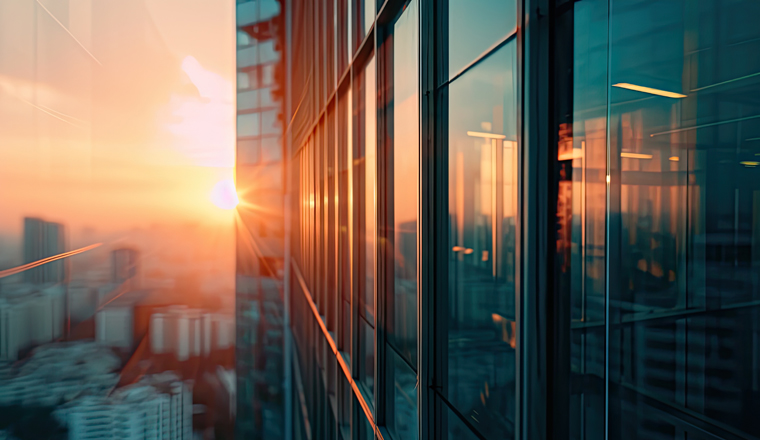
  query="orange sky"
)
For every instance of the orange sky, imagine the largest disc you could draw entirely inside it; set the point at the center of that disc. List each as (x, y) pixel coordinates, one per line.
(115, 114)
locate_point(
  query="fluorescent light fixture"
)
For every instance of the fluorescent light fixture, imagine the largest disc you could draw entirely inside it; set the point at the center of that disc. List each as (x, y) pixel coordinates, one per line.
(649, 90)
(485, 135)
(636, 155)
(749, 163)
(674, 158)
(575, 153)
(752, 139)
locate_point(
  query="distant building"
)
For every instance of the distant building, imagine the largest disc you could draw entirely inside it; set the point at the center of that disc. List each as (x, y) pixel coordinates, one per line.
(29, 317)
(58, 373)
(83, 301)
(188, 332)
(124, 266)
(114, 325)
(157, 407)
(41, 240)
(228, 381)
(157, 335)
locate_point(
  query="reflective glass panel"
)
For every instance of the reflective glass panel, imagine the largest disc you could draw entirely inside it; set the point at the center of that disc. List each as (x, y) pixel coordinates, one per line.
(364, 189)
(367, 361)
(248, 125)
(482, 208)
(403, 424)
(402, 167)
(662, 217)
(684, 214)
(475, 26)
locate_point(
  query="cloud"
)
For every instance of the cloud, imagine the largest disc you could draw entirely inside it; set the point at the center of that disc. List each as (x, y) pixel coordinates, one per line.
(203, 124)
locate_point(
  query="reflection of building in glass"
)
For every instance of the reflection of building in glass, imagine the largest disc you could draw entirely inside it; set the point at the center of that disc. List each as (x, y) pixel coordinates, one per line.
(260, 225)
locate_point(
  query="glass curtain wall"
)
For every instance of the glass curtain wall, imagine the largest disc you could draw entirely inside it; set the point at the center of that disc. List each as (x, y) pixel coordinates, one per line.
(658, 217)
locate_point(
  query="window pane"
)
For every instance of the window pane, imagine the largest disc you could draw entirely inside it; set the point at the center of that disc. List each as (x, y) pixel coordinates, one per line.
(243, 82)
(364, 190)
(247, 57)
(580, 273)
(248, 125)
(684, 213)
(401, 164)
(270, 123)
(268, 53)
(403, 405)
(267, 75)
(456, 429)
(271, 150)
(243, 39)
(475, 26)
(344, 254)
(370, 134)
(482, 206)
(367, 360)
(266, 97)
(248, 151)
(367, 15)
(248, 100)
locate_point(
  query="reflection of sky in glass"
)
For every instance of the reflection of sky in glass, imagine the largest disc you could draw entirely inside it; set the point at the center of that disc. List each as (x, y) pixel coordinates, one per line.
(405, 178)
(475, 26)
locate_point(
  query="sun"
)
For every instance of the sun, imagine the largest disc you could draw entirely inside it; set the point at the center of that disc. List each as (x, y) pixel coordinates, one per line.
(224, 195)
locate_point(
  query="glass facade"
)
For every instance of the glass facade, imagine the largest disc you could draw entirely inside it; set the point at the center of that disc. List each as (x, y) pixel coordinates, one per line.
(520, 219)
(663, 304)
(262, 384)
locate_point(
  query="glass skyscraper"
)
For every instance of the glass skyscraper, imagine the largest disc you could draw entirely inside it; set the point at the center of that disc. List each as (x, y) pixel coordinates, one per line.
(500, 219)
(260, 229)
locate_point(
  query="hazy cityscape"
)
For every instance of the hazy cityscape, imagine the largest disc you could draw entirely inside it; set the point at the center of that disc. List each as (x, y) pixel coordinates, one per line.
(116, 338)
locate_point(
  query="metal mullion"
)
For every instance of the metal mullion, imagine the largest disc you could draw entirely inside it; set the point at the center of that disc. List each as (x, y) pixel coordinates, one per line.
(338, 299)
(406, 361)
(381, 249)
(440, 397)
(360, 55)
(482, 57)
(532, 228)
(333, 348)
(389, 11)
(432, 229)
(353, 334)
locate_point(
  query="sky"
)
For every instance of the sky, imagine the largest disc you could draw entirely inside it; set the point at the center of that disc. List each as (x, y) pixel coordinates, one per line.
(116, 116)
